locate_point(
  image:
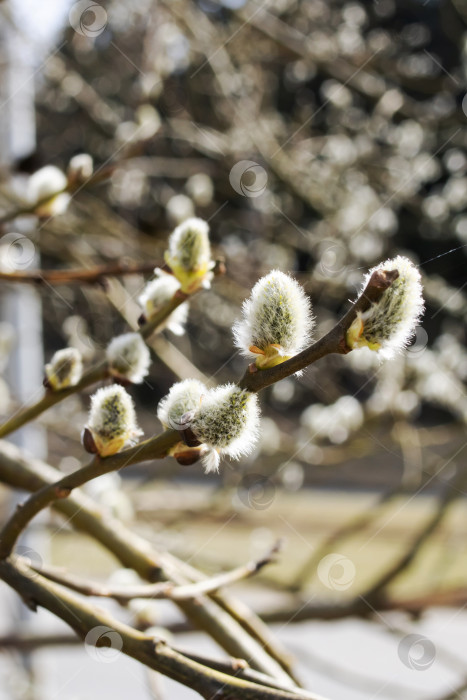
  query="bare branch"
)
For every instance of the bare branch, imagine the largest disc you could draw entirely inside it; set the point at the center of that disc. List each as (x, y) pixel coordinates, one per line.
(227, 620)
(156, 654)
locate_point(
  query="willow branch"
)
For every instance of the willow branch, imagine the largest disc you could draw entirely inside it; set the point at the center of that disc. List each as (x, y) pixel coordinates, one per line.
(92, 376)
(240, 669)
(50, 398)
(250, 621)
(21, 471)
(158, 590)
(83, 618)
(333, 342)
(302, 610)
(155, 448)
(90, 275)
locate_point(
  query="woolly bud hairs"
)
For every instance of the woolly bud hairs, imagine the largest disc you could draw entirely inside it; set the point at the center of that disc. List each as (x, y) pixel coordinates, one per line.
(112, 420)
(390, 323)
(64, 369)
(158, 292)
(277, 320)
(226, 422)
(128, 357)
(182, 398)
(189, 255)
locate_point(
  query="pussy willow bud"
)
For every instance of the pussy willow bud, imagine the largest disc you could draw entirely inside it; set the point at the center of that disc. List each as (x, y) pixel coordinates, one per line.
(156, 294)
(80, 168)
(277, 320)
(64, 369)
(112, 421)
(175, 412)
(128, 357)
(45, 188)
(183, 398)
(390, 323)
(226, 423)
(189, 255)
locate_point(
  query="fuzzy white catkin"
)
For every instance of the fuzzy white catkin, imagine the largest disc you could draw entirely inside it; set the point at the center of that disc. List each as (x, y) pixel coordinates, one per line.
(112, 420)
(47, 182)
(189, 255)
(278, 313)
(158, 292)
(182, 398)
(227, 423)
(128, 357)
(64, 369)
(389, 324)
(80, 167)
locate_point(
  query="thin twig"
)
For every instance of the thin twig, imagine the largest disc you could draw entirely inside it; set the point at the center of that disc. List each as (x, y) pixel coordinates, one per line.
(158, 590)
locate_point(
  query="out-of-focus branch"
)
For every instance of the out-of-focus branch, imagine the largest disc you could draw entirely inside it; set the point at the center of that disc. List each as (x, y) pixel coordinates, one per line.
(100, 175)
(90, 275)
(302, 610)
(30, 642)
(451, 493)
(349, 529)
